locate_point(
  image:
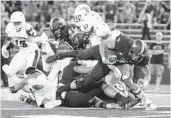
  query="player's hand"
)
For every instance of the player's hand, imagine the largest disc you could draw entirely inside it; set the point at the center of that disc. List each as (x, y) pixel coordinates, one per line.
(110, 60)
(142, 83)
(5, 52)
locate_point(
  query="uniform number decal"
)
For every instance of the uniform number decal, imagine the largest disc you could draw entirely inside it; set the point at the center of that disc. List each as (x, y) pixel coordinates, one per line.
(21, 43)
(119, 87)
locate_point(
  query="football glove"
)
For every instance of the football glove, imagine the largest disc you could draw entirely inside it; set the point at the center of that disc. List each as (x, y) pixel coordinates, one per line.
(5, 52)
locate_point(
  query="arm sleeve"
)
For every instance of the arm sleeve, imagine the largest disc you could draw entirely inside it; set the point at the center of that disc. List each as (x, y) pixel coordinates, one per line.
(145, 61)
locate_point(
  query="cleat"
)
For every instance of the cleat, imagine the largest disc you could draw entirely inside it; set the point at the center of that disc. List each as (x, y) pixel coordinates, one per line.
(151, 106)
(132, 103)
(157, 89)
(52, 104)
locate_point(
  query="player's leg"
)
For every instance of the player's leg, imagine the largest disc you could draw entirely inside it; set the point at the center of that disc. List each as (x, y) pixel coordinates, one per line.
(16, 64)
(159, 73)
(88, 54)
(80, 99)
(99, 71)
(32, 58)
(69, 74)
(138, 92)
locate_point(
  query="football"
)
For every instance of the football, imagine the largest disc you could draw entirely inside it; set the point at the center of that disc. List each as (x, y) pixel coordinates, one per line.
(109, 55)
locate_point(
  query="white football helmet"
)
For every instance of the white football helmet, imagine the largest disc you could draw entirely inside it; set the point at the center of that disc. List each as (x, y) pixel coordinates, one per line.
(81, 11)
(18, 19)
(102, 30)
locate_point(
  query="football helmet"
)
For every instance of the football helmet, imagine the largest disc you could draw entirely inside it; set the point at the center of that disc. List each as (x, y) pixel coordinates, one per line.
(81, 11)
(137, 50)
(56, 26)
(18, 19)
(102, 30)
(80, 40)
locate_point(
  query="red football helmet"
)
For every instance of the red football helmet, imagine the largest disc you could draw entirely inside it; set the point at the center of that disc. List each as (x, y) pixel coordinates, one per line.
(137, 50)
(80, 40)
(56, 26)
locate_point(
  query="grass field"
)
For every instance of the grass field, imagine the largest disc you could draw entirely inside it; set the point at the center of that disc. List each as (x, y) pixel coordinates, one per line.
(12, 108)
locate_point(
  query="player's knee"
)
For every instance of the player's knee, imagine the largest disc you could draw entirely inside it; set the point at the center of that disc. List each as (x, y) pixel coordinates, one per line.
(8, 71)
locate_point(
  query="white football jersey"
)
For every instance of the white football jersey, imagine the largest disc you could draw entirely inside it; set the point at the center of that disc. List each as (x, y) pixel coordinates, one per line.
(21, 38)
(90, 20)
(115, 34)
(47, 92)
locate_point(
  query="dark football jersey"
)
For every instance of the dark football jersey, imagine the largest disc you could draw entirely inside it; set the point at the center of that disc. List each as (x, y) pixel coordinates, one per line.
(68, 30)
(122, 47)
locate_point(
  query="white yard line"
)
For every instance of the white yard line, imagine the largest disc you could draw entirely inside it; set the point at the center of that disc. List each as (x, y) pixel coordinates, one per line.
(65, 108)
(61, 116)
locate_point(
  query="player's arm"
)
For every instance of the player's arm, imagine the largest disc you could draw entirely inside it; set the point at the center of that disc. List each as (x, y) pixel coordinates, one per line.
(144, 64)
(20, 85)
(104, 46)
(156, 52)
(6, 44)
(30, 30)
(143, 82)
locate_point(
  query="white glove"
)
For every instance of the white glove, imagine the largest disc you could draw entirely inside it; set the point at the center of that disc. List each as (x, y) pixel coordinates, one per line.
(5, 52)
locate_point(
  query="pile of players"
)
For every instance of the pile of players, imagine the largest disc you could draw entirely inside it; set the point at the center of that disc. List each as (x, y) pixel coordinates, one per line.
(99, 66)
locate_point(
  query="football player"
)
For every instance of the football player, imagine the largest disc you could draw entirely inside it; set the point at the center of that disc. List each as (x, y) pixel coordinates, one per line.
(89, 21)
(73, 72)
(21, 34)
(65, 33)
(117, 50)
(41, 90)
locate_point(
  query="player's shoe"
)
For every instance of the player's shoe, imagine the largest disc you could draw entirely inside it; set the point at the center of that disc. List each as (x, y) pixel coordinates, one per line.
(52, 104)
(157, 88)
(132, 103)
(151, 106)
